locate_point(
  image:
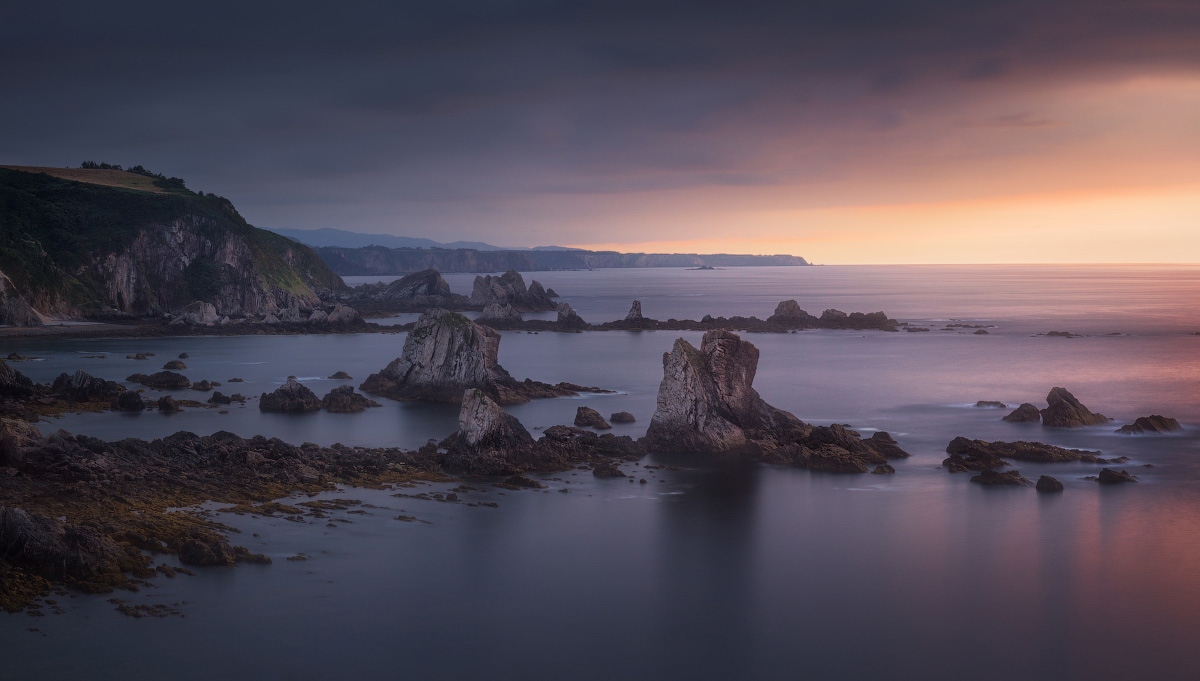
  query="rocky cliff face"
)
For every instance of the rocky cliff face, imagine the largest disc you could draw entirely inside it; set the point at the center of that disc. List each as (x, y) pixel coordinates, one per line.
(510, 288)
(706, 402)
(72, 249)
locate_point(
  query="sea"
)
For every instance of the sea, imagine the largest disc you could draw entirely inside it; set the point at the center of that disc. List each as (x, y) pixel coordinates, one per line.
(707, 570)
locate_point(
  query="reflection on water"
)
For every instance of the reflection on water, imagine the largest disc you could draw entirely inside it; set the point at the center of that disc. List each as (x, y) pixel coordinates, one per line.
(711, 572)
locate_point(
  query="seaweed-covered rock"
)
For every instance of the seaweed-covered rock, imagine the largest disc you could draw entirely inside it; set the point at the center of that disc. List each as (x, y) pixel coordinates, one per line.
(163, 380)
(343, 400)
(1155, 423)
(292, 396)
(1026, 413)
(586, 417)
(1064, 411)
(444, 355)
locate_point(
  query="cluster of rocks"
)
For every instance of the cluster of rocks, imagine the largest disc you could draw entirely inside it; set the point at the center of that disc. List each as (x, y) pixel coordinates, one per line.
(205, 314)
(294, 396)
(509, 288)
(1064, 410)
(446, 354)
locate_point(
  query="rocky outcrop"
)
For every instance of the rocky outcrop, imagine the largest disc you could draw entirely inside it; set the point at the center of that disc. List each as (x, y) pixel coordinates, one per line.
(83, 387)
(198, 313)
(990, 404)
(510, 288)
(621, 417)
(1155, 423)
(292, 396)
(1109, 476)
(586, 417)
(706, 402)
(343, 400)
(1048, 485)
(169, 405)
(502, 313)
(635, 312)
(341, 376)
(55, 550)
(14, 384)
(129, 400)
(175, 365)
(444, 355)
(1064, 411)
(163, 380)
(421, 290)
(1026, 413)
(568, 318)
(343, 315)
(966, 454)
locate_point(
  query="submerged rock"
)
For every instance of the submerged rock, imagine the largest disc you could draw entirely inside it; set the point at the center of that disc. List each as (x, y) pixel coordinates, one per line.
(586, 417)
(1064, 411)
(1026, 413)
(1048, 484)
(1154, 423)
(444, 355)
(343, 400)
(292, 396)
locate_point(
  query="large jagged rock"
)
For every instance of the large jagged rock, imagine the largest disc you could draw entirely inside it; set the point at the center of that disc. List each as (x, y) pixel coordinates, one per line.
(343, 400)
(444, 355)
(423, 289)
(129, 400)
(163, 380)
(292, 396)
(51, 549)
(14, 384)
(1155, 423)
(83, 387)
(635, 312)
(510, 288)
(568, 318)
(706, 402)
(1064, 411)
(502, 313)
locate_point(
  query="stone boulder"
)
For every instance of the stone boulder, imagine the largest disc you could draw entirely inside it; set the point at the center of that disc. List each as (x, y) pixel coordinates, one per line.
(1064, 411)
(290, 315)
(991, 478)
(568, 318)
(444, 355)
(706, 402)
(1026, 413)
(163, 380)
(168, 405)
(56, 550)
(341, 376)
(292, 396)
(198, 313)
(586, 417)
(343, 400)
(14, 384)
(1155, 423)
(83, 387)
(175, 365)
(318, 317)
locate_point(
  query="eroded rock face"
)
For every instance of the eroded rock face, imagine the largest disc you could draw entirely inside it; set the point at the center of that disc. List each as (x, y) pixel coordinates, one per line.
(426, 288)
(292, 396)
(706, 402)
(1155, 423)
(343, 400)
(1026, 413)
(489, 440)
(1064, 411)
(586, 417)
(14, 383)
(446, 354)
(510, 288)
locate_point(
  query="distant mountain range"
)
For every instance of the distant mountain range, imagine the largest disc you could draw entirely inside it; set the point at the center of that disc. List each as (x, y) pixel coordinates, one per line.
(340, 238)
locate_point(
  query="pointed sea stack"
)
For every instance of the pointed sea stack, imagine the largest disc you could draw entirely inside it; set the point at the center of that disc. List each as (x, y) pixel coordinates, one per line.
(488, 440)
(510, 288)
(568, 318)
(706, 402)
(446, 354)
(1064, 411)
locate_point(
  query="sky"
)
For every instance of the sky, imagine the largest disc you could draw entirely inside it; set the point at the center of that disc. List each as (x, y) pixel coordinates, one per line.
(856, 131)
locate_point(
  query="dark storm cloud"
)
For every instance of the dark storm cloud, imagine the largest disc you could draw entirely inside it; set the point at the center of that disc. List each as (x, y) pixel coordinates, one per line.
(415, 115)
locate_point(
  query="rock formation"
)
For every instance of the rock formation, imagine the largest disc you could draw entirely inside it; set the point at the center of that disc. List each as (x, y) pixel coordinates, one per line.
(1109, 476)
(976, 455)
(568, 318)
(175, 365)
(83, 387)
(168, 405)
(1047, 484)
(14, 384)
(292, 396)
(197, 313)
(1154, 423)
(423, 289)
(991, 478)
(1026, 413)
(621, 417)
(163, 380)
(510, 288)
(990, 404)
(343, 400)
(445, 354)
(343, 314)
(129, 400)
(341, 376)
(500, 312)
(586, 417)
(635, 312)
(1064, 411)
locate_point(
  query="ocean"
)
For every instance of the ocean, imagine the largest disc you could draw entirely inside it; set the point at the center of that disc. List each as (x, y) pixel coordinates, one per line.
(708, 571)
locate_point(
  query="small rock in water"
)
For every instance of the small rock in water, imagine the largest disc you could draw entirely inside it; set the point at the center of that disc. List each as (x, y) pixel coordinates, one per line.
(990, 404)
(883, 469)
(1048, 484)
(1109, 476)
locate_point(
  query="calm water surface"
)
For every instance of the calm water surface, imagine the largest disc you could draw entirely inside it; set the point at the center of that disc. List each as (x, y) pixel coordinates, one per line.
(748, 572)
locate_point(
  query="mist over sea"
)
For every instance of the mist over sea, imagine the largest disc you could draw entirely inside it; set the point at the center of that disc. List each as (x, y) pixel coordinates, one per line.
(706, 572)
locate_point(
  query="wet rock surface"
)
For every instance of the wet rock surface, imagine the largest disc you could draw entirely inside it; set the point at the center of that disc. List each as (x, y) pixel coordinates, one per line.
(622, 417)
(292, 396)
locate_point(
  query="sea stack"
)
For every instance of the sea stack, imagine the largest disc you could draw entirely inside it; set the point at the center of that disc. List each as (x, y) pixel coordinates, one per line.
(446, 354)
(706, 402)
(426, 288)
(1064, 411)
(635, 312)
(488, 439)
(292, 396)
(568, 318)
(510, 288)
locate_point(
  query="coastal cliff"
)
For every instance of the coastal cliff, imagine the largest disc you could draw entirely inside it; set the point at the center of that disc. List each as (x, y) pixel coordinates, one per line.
(78, 249)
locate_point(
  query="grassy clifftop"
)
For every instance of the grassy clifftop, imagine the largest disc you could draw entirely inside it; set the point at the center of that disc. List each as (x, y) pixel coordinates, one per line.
(76, 241)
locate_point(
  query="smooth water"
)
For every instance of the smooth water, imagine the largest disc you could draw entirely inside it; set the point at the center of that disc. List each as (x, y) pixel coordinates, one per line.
(749, 572)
